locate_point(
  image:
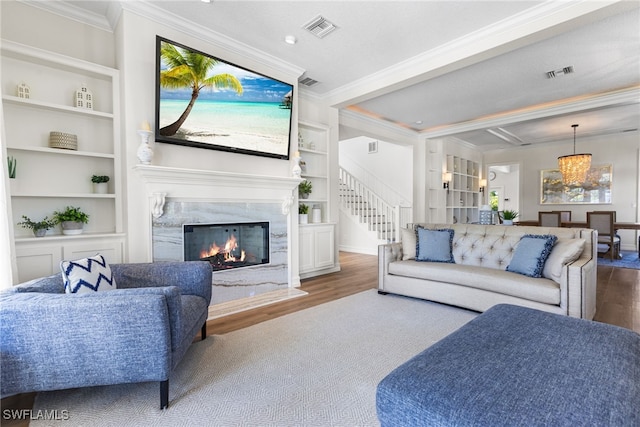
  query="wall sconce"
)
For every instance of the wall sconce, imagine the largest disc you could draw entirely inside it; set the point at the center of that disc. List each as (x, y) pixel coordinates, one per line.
(483, 184)
(446, 178)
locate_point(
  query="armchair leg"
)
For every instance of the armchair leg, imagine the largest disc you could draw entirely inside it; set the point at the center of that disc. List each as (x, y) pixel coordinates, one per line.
(164, 394)
(203, 331)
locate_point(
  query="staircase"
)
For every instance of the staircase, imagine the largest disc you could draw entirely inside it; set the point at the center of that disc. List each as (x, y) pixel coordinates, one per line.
(378, 216)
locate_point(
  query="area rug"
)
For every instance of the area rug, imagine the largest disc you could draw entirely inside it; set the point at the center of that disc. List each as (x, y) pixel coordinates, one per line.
(629, 260)
(316, 367)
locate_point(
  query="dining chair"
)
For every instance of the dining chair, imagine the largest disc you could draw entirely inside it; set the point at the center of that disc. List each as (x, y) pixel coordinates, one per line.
(603, 222)
(565, 216)
(549, 219)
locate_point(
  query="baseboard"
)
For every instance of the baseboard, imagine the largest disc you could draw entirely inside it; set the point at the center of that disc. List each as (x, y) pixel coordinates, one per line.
(358, 250)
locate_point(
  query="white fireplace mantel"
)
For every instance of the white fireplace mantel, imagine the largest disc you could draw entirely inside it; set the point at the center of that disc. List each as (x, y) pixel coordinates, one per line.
(163, 181)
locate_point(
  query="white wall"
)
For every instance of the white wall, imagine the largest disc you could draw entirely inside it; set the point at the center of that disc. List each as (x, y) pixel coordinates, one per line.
(391, 167)
(136, 46)
(620, 150)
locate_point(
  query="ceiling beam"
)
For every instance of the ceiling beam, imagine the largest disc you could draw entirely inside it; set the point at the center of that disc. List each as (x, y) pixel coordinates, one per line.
(535, 24)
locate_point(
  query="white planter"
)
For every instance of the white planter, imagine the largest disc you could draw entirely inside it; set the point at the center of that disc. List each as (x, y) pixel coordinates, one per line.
(303, 218)
(101, 187)
(70, 228)
(507, 222)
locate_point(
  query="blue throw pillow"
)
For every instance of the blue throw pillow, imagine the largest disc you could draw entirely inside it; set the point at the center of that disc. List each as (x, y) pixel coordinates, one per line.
(531, 254)
(434, 245)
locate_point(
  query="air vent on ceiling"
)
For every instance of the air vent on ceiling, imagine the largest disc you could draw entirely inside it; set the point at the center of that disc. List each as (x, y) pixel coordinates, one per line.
(506, 136)
(319, 26)
(308, 81)
(561, 72)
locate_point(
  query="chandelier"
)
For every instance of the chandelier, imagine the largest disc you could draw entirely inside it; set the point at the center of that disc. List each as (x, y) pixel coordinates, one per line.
(574, 167)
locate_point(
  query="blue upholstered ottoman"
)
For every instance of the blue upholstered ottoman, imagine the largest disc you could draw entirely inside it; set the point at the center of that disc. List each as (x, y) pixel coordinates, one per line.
(514, 366)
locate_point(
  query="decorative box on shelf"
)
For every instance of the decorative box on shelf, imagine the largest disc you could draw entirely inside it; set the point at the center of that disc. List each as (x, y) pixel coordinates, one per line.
(67, 141)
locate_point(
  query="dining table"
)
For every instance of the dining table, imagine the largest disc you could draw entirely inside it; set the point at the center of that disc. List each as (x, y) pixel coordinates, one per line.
(583, 224)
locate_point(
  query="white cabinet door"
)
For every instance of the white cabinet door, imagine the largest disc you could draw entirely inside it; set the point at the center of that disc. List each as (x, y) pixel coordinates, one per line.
(317, 249)
(324, 247)
(38, 261)
(307, 251)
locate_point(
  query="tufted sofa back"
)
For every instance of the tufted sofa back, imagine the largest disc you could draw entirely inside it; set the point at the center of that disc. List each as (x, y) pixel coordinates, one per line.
(492, 246)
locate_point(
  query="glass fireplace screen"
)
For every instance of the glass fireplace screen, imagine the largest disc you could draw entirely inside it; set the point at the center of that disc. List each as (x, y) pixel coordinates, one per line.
(227, 246)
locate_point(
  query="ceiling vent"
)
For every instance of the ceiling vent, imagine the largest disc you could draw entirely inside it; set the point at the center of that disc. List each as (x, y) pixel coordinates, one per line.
(506, 136)
(556, 73)
(319, 27)
(308, 82)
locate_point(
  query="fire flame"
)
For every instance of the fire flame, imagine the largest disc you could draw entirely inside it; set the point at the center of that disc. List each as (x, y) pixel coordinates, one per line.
(230, 245)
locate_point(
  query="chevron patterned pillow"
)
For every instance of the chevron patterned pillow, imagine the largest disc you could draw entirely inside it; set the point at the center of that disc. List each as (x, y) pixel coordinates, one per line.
(86, 275)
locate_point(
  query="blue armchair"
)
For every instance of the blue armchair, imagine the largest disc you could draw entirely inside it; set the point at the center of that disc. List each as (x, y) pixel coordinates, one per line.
(139, 332)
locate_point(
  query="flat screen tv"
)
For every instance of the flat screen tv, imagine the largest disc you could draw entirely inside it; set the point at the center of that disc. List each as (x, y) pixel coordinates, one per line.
(206, 102)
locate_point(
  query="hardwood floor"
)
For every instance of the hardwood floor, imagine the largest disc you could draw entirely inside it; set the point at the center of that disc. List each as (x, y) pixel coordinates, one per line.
(618, 303)
(358, 273)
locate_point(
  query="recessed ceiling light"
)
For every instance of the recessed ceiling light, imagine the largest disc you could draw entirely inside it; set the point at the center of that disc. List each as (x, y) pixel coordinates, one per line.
(290, 39)
(418, 122)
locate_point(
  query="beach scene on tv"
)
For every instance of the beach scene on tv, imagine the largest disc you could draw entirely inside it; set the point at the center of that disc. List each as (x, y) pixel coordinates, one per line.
(207, 101)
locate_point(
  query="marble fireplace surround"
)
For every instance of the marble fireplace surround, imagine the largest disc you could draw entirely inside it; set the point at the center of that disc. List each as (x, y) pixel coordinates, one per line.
(187, 193)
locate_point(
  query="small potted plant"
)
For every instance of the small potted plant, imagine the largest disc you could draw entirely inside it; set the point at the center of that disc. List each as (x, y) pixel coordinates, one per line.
(508, 216)
(71, 220)
(39, 228)
(303, 213)
(100, 185)
(304, 189)
(12, 163)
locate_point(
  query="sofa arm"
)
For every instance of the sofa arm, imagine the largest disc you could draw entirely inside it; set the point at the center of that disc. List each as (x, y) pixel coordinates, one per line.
(387, 253)
(57, 341)
(581, 283)
(192, 277)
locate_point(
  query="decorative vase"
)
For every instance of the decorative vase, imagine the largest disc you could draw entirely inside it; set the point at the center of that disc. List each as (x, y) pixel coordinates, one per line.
(40, 232)
(316, 214)
(303, 218)
(101, 187)
(70, 228)
(145, 152)
(304, 195)
(297, 170)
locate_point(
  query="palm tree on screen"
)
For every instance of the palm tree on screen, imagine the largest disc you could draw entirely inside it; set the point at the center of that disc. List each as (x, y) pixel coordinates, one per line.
(188, 69)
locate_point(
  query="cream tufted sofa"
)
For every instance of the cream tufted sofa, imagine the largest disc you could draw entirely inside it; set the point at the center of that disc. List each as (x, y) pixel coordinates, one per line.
(478, 279)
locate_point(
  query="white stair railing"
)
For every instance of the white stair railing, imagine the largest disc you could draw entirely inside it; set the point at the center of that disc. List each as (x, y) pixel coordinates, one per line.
(377, 214)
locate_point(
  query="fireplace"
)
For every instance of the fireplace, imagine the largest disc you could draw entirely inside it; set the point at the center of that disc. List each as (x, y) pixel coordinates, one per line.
(227, 246)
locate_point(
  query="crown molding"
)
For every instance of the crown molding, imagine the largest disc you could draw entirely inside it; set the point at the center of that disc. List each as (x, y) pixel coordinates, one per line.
(75, 13)
(373, 125)
(513, 32)
(175, 22)
(624, 96)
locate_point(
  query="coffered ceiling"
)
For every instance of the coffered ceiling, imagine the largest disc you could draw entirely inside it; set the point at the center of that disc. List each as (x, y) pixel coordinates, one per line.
(474, 70)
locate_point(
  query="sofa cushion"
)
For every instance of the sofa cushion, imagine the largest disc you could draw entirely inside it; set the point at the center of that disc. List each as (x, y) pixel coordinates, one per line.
(409, 243)
(494, 280)
(563, 252)
(531, 254)
(91, 274)
(434, 245)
